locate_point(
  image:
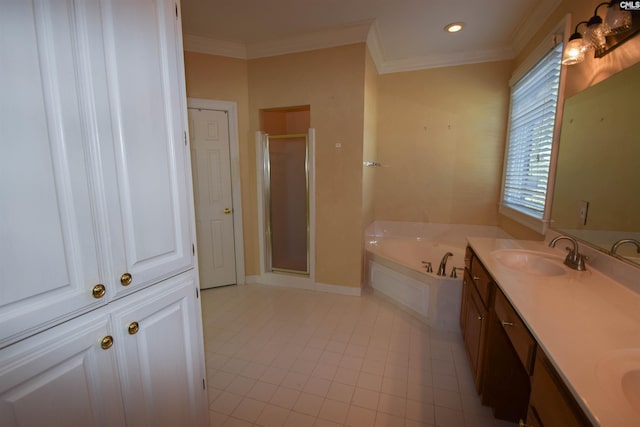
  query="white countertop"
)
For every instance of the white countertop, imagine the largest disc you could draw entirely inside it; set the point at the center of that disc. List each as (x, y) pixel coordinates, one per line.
(587, 323)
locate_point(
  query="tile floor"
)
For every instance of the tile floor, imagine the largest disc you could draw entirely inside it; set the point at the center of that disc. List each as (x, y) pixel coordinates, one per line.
(295, 358)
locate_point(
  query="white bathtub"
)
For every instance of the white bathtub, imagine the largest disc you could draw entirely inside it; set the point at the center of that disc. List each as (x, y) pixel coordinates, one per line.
(394, 255)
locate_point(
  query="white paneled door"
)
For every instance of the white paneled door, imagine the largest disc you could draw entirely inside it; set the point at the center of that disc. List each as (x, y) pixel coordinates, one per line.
(210, 159)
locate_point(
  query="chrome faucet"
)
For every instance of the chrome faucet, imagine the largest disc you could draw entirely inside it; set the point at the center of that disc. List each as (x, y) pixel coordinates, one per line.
(574, 258)
(443, 264)
(620, 242)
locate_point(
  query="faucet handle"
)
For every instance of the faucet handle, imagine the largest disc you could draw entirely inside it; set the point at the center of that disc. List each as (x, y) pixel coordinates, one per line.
(454, 270)
(428, 265)
(576, 260)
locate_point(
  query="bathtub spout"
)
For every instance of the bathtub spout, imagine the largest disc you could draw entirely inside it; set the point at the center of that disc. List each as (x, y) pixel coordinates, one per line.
(443, 264)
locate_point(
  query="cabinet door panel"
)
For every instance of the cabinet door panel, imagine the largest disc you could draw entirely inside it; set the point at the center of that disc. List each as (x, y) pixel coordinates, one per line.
(143, 49)
(61, 377)
(161, 364)
(48, 252)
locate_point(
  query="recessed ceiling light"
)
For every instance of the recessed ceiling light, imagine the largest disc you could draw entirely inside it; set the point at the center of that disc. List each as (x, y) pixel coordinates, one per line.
(454, 27)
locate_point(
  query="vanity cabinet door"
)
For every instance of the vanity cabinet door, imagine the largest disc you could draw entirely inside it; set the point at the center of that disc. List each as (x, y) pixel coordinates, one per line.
(551, 404)
(474, 331)
(62, 377)
(49, 185)
(160, 354)
(152, 207)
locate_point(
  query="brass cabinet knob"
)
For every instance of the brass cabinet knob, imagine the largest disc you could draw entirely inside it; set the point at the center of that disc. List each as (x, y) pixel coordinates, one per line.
(106, 342)
(507, 323)
(133, 328)
(126, 279)
(98, 291)
(227, 211)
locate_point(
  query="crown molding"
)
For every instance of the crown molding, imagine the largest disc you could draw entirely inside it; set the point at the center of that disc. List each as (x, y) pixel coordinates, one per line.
(363, 32)
(356, 33)
(375, 47)
(201, 44)
(532, 23)
(446, 60)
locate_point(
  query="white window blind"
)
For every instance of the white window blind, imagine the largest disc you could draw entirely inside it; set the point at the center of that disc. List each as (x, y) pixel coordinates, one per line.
(534, 100)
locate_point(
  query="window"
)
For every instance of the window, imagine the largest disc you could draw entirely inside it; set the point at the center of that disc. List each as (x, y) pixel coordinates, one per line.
(532, 122)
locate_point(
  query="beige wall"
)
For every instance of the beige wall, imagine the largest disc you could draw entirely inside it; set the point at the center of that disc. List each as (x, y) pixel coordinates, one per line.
(580, 76)
(369, 149)
(440, 139)
(226, 79)
(439, 134)
(331, 82)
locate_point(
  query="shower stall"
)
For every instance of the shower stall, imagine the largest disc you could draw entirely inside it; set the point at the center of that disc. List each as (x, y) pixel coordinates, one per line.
(286, 203)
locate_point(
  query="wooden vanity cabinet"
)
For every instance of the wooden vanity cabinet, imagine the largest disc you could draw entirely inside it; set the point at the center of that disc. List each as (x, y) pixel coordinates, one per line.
(551, 404)
(511, 373)
(510, 350)
(476, 294)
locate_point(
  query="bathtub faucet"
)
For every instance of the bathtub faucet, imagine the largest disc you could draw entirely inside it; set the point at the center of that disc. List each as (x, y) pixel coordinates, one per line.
(443, 264)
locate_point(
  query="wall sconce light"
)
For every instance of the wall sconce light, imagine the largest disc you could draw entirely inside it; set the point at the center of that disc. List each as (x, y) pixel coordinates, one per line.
(575, 49)
(620, 24)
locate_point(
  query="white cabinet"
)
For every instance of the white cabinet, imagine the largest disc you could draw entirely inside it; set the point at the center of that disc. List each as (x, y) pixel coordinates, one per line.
(159, 346)
(95, 179)
(62, 377)
(150, 375)
(96, 216)
(50, 257)
(152, 214)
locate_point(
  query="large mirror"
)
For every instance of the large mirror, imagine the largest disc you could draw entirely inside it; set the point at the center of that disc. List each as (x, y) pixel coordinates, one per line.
(597, 185)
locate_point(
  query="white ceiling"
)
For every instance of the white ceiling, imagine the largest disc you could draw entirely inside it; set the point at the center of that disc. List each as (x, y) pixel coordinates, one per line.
(401, 34)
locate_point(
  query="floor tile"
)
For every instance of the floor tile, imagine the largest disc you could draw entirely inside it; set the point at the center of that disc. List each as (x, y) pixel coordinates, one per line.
(333, 410)
(296, 419)
(278, 356)
(262, 391)
(309, 404)
(285, 397)
(360, 417)
(248, 410)
(273, 416)
(365, 398)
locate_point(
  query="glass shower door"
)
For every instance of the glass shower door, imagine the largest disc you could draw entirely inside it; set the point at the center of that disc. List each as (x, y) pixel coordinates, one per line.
(287, 203)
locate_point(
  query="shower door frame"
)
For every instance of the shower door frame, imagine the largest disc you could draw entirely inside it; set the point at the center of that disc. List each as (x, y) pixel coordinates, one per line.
(267, 195)
(267, 275)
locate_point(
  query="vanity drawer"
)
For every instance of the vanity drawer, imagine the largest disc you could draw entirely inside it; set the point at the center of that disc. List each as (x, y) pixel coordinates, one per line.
(481, 280)
(518, 334)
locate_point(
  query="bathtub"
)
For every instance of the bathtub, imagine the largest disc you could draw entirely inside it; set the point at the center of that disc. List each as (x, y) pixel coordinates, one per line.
(394, 252)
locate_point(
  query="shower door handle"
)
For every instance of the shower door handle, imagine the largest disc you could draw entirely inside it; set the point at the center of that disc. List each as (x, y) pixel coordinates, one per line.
(227, 211)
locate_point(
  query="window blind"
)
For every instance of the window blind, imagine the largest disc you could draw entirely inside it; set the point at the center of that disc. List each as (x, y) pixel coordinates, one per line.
(534, 100)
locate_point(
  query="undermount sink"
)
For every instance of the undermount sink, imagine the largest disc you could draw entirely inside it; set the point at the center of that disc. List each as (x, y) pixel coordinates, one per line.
(619, 376)
(530, 262)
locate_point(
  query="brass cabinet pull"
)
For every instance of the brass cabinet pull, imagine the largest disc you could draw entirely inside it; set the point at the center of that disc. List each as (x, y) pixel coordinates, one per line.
(98, 291)
(480, 318)
(126, 279)
(507, 323)
(133, 328)
(227, 211)
(106, 342)
(476, 278)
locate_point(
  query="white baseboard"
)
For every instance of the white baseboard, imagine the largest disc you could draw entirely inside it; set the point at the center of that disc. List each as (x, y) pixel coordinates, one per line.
(289, 281)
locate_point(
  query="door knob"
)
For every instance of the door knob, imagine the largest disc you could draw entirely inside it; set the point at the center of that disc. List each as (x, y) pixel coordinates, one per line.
(98, 291)
(126, 279)
(227, 211)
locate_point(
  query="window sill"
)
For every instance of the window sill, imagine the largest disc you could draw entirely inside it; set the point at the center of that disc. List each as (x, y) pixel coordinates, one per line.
(538, 225)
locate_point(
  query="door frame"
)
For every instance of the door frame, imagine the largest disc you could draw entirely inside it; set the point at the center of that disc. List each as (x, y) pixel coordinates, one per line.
(231, 108)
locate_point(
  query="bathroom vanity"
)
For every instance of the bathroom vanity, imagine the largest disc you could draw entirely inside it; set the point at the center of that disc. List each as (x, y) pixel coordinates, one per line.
(549, 345)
